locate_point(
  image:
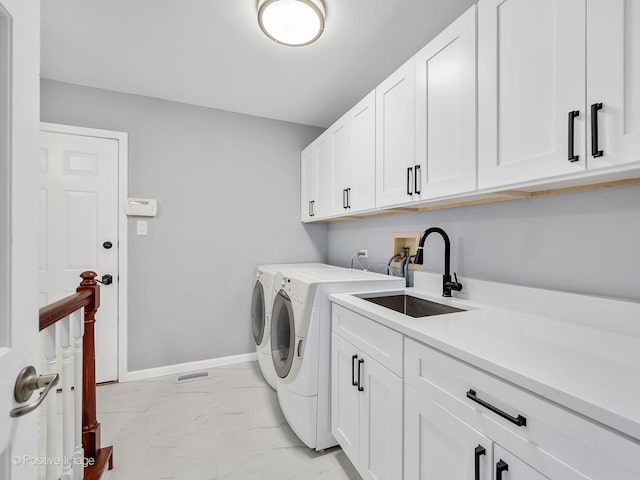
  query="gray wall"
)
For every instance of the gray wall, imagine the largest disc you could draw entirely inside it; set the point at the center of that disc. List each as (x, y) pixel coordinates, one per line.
(227, 187)
(587, 242)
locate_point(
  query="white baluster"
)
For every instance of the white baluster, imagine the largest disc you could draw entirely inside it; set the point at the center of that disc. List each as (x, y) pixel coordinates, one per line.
(50, 449)
(77, 327)
(67, 398)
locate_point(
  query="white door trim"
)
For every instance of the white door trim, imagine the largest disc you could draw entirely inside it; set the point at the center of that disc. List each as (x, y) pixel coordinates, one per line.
(123, 189)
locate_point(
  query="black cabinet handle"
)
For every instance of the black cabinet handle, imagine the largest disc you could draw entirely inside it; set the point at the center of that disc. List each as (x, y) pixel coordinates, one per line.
(353, 371)
(595, 152)
(349, 197)
(501, 466)
(360, 387)
(415, 180)
(409, 173)
(480, 450)
(344, 198)
(519, 420)
(572, 116)
(312, 205)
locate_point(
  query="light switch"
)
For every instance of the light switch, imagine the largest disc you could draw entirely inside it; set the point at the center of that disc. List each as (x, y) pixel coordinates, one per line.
(141, 227)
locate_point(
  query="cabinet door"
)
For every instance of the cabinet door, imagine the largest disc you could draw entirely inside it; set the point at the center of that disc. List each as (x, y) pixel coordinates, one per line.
(508, 467)
(613, 80)
(446, 110)
(395, 122)
(345, 398)
(322, 147)
(309, 179)
(380, 422)
(531, 76)
(440, 446)
(342, 154)
(362, 193)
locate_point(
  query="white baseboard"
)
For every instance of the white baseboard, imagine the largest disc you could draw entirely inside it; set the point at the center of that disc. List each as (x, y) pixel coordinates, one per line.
(188, 367)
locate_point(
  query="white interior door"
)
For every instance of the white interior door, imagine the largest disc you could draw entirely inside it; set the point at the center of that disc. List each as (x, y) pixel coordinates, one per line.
(79, 219)
(19, 112)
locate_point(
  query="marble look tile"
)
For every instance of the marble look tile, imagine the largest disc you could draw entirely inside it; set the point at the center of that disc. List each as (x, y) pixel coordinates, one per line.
(228, 426)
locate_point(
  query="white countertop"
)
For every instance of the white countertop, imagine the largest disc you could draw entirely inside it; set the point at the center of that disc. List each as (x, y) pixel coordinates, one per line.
(578, 358)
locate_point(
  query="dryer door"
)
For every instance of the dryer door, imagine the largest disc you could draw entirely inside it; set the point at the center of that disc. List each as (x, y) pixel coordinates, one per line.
(257, 312)
(283, 334)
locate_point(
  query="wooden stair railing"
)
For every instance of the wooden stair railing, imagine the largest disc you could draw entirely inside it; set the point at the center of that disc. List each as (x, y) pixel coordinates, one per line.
(97, 458)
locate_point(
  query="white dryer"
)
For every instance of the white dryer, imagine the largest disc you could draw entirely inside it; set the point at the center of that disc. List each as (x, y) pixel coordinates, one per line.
(264, 290)
(301, 344)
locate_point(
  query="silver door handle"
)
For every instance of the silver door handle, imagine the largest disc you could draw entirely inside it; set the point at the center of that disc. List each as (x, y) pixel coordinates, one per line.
(27, 382)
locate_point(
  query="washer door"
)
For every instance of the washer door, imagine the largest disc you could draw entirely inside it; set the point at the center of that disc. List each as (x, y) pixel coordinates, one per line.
(257, 313)
(283, 334)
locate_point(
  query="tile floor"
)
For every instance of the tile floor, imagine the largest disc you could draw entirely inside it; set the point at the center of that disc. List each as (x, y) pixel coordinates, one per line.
(228, 426)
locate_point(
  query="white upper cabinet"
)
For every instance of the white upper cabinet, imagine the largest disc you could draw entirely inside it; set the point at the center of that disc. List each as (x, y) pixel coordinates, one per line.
(353, 157)
(316, 173)
(531, 90)
(395, 122)
(309, 183)
(445, 125)
(613, 83)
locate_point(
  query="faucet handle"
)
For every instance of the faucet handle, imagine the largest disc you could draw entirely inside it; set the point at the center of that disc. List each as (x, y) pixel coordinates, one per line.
(456, 285)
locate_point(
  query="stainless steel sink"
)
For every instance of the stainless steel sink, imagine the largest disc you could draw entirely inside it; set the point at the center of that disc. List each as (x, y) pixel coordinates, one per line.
(412, 306)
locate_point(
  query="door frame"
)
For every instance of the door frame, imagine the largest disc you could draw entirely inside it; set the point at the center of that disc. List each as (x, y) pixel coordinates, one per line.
(123, 227)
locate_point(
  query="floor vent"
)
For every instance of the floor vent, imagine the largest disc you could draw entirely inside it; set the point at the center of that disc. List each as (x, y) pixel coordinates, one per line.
(191, 377)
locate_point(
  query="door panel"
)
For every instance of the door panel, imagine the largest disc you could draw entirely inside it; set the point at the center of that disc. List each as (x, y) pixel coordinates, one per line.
(345, 404)
(446, 110)
(380, 422)
(363, 166)
(19, 114)
(79, 193)
(341, 163)
(309, 182)
(613, 79)
(395, 122)
(531, 65)
(324, 175)
(440, 446)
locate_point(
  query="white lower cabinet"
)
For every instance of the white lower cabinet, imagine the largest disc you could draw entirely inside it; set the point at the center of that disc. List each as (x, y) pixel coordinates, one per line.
(440, 446)
(366, 411)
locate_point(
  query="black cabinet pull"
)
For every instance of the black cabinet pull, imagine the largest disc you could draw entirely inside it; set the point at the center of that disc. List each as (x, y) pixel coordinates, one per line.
(312, 205)
(409, 173)
(572, 116)
(595, 152)
(501, 466)
(415, 180)
(344, 198)
(519, 420)
(349, 197)
(480, 450)
(353, 371)
(360, 387)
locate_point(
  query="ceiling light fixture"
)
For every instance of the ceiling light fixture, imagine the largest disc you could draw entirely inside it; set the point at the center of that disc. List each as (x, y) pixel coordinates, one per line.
(292, 22)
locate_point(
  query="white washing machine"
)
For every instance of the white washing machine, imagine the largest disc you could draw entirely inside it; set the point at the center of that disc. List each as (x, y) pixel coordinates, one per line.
(301, 344)
(261, 302)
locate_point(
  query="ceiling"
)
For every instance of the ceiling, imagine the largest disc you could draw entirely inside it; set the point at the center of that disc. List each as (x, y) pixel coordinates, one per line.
(212, 52)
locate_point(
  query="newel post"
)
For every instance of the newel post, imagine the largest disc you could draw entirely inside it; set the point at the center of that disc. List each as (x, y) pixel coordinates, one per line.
(90, 424)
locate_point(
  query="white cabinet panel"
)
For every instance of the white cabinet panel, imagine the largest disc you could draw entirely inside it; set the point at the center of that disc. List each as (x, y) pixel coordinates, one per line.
(309, 183)
(345, 418)
(613, 80)
(380, 422)
(509, 467)
(446, 110)
(322, 148)
(395, 122)
(353, 158)
(531, 75)
(440, 446)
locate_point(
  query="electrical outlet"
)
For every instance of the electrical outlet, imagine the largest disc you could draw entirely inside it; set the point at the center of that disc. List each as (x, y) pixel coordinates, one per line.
(363, 253)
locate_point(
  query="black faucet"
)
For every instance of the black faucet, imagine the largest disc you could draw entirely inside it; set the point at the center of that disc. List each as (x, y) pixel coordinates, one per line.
(447, 284)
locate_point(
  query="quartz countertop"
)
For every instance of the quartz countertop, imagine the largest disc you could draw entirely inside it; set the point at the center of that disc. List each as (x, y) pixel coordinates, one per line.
(589, 365)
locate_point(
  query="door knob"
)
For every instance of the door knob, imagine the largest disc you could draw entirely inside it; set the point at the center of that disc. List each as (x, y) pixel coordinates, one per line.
(107, 245)
(27, 382)
(106, 279)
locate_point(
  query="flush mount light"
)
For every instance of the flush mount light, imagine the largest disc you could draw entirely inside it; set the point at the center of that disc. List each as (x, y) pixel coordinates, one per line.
(291, 22)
